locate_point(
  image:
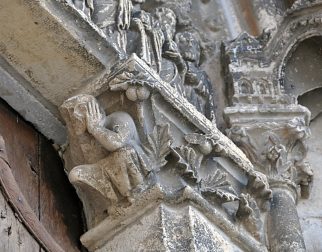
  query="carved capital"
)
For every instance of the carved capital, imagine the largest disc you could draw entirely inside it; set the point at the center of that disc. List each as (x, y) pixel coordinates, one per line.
(276, 148)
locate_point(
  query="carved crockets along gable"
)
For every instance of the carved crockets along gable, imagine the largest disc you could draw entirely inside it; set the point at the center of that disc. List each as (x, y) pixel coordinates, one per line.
(144, 153)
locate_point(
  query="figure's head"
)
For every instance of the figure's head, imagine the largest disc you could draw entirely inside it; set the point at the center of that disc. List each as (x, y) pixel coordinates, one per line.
(189, 46)
(167, 19)
(74, 112)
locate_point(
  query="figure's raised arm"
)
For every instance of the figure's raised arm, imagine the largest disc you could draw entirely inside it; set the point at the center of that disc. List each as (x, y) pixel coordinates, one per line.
(111, 139)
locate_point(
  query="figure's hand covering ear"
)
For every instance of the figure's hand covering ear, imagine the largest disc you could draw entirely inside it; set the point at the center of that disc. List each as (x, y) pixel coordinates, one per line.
(94, 117)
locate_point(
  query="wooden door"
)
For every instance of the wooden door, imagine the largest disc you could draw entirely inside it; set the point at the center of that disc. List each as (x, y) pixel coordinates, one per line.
(38, 171)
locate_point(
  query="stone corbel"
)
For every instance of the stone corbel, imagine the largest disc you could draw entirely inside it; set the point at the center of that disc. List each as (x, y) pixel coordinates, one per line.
(119, 171)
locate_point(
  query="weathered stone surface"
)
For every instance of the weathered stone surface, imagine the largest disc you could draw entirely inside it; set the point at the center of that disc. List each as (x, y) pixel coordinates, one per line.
(171, 229)
(284, 228)
(309, 210)
(142, 87)
(179, 223)
(39, 46)
(160, 139)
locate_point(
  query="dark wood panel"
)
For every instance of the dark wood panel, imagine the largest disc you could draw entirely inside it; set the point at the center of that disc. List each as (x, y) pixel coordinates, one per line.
(20, 206)
(59, 205)
(22, 148)
(38, 170)
(13, 235)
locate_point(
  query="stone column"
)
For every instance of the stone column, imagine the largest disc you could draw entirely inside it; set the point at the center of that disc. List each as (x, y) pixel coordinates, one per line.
(284, 228)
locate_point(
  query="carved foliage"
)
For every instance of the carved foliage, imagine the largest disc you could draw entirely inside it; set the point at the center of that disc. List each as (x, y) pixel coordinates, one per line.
(218, 187)
(158, 146)
(277, 148)
(248, 214)
(188, 161)
(258, 185)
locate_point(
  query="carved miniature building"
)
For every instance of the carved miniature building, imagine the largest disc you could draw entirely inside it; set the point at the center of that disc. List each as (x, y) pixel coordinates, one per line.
(182, 125)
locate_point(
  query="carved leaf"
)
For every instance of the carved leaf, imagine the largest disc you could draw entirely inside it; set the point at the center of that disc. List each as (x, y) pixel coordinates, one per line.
(131, 77)
(158, 146)
(259, 185)
(217, 185)
(249, 214)
(188, 161)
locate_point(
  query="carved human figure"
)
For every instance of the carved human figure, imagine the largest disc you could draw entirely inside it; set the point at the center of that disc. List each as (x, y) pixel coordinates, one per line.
(155, 33)
(197, 84)
(151, 38)
(103, 150)
(112, 16)
(173, 66)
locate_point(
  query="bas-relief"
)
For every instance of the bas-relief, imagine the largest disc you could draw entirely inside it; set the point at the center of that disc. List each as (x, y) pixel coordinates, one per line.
(156, 156)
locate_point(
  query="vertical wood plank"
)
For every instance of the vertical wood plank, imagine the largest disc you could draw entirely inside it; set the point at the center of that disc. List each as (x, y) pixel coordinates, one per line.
(13, 235)
(22, 148)
(59, 204)
(39, 172)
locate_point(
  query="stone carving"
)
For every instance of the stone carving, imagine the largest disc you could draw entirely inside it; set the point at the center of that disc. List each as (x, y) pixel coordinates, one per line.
(149, 155)
(175, 57)
(279, 151)
(249, 215)
(189, 161)
(108, 147)
(259, 187)
(122, 171)
(113, 17)
(150, 38)
(257, 182)
(158, 147)
(218, 188)
(172, 70)
(86, 6)
(197, 84)
(271, 129)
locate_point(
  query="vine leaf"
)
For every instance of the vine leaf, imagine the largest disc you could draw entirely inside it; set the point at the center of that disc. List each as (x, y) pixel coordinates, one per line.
(218, 187)
(158, 146)
(188, 161)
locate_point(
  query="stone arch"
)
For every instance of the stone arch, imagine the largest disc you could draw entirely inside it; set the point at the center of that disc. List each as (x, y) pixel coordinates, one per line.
(298, 51)
(297, 28)
(312, 99)
(263, 87)
(245, 87)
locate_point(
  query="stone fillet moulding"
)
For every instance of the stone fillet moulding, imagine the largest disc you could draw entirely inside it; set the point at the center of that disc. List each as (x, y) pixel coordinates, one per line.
(153, 171)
